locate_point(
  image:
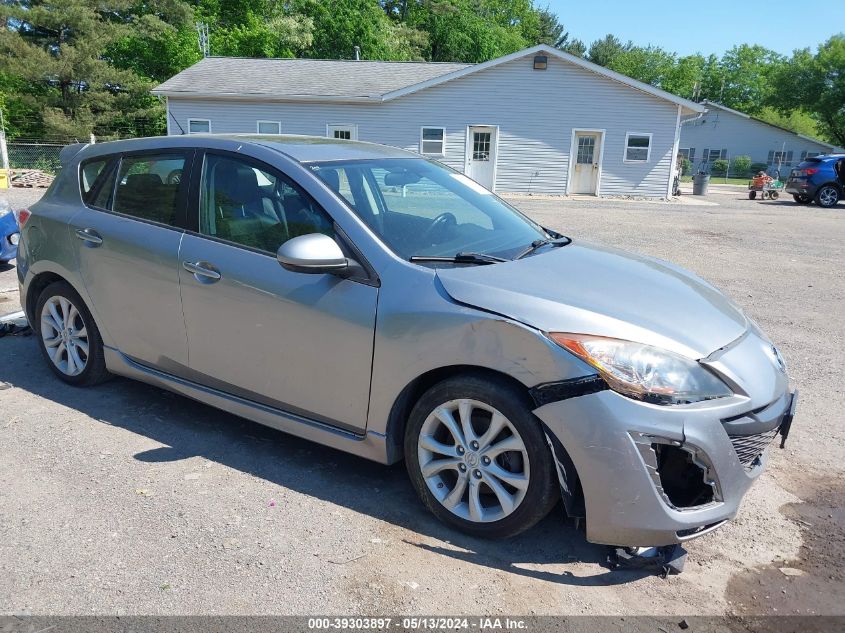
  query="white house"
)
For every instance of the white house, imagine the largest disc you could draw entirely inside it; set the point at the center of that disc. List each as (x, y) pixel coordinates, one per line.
(536, 121)
(723, 133)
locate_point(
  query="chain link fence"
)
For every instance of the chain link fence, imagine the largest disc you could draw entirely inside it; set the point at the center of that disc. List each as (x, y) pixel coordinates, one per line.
(36, 155)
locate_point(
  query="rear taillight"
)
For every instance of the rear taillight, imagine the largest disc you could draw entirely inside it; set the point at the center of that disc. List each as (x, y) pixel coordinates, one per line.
(23, 216)
(810, 171)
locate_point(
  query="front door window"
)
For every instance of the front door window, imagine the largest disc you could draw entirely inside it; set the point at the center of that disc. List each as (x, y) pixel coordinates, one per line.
(481, 146)
(586, 150)
(242, 202)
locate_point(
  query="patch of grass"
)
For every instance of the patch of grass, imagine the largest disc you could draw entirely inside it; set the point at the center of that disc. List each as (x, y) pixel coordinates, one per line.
(721, 180)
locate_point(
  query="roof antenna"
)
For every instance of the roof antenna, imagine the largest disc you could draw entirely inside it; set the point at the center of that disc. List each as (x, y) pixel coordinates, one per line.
(202, 38)
(357, 50)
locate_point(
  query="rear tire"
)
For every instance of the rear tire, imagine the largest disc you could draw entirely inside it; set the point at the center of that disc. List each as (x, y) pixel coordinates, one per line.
(68, 337)
(495, 479)
(801, 199)
(752, 195)
(827, 196)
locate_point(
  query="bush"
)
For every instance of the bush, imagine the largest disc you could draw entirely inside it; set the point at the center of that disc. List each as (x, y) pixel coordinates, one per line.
(741, 166)
(758, 167)
(686, 167)
(720, 167)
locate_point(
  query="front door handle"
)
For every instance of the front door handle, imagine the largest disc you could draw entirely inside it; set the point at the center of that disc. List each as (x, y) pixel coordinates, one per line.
(203, 271)
(89, 236)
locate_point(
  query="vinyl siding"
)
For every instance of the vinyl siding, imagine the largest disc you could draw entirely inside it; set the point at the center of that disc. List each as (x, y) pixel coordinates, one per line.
(719, 129)
(535, 112)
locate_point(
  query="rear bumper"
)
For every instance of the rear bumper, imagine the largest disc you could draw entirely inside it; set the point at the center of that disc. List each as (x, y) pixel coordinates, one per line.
(615, 445)
(801, 188)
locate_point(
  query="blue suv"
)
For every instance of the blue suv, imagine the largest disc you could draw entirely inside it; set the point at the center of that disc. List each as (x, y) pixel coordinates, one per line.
(9, 233)
(820, 178)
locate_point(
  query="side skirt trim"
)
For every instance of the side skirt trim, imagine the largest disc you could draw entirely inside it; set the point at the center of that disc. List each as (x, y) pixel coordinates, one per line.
(369, 445)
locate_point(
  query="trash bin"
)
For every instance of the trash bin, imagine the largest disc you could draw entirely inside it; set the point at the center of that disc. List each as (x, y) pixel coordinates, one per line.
(700, 182)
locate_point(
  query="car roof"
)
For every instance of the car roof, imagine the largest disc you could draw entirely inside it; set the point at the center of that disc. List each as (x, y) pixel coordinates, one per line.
(304, 149)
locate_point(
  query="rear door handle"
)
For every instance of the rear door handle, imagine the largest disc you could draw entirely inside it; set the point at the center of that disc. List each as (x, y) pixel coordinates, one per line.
(203, 271)
(89, 236)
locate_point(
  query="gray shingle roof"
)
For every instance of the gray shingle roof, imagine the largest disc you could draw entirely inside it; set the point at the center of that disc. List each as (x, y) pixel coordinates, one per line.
(301, 78)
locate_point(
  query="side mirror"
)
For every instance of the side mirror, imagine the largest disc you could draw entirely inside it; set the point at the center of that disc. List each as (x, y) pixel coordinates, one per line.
(312, 253)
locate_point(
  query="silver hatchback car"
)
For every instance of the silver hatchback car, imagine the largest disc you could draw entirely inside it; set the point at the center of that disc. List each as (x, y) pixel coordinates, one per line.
(369, 299)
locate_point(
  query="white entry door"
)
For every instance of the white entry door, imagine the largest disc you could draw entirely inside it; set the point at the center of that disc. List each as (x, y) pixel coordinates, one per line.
(585, 176)
(481, 155)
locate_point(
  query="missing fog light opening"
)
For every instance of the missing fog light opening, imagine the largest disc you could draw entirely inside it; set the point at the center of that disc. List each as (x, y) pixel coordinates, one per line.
(681, 473)
(685, 482)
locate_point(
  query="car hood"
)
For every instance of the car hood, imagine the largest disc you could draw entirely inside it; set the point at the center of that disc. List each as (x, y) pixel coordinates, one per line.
(589, 289)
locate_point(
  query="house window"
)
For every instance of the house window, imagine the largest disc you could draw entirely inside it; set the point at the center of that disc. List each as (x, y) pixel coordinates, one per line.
(805, 155)
(637, 147)
(779, 159)
(688, 153)
(199, 126)
(433, 141)
(346, 132)
(711, 155)
(269, 127)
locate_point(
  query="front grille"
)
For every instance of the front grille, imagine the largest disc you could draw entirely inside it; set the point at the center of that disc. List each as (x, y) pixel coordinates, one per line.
(749, 447)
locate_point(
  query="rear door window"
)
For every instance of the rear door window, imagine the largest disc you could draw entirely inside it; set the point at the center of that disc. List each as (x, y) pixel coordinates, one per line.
(149, 186)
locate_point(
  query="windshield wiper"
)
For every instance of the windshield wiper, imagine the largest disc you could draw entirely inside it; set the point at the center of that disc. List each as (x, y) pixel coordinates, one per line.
(558, 241)
(459, 258)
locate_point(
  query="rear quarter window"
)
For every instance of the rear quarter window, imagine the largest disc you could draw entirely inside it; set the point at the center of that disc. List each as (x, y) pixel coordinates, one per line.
(94, 178)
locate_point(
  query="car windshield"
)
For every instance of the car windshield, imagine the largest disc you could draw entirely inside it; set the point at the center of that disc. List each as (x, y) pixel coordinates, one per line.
(423, 209)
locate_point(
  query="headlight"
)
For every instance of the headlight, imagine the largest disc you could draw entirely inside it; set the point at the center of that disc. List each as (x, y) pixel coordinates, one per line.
(644, 372)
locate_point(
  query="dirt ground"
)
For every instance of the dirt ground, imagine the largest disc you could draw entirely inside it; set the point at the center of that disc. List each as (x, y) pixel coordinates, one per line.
(126, 499)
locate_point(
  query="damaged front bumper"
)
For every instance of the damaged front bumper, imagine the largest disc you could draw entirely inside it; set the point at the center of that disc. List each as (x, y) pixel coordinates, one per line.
(649, 475)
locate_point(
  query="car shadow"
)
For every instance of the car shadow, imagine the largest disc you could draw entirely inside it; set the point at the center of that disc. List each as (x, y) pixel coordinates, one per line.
(6, 266)
(189, 429)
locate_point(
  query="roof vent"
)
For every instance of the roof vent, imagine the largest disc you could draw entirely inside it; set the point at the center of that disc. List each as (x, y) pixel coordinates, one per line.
(540, 62)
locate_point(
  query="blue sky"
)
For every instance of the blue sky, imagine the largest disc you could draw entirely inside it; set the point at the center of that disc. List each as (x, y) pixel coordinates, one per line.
(708, 27)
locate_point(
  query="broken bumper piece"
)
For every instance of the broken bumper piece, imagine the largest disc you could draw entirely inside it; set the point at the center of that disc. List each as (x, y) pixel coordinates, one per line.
(646, 475)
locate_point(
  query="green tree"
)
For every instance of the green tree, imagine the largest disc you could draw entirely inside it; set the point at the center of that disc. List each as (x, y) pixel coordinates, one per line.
(341, 25)
(796, 120)
(475, 30)
(649, 64)
(684, 76)
(575, 47)
(816, 85)
(747, 73)
(604, 51)
(59, 49)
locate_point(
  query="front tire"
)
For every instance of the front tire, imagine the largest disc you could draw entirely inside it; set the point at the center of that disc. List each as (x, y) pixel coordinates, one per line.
(68, 337)
(827, 196)
(478, 458)
(802, 199)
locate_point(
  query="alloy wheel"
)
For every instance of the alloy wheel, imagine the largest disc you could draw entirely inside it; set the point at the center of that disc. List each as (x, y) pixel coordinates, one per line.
(473, 460)
(64, 335)
(828, 196)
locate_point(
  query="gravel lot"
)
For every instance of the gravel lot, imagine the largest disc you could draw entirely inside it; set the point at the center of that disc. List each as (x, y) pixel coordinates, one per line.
(127, 499)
